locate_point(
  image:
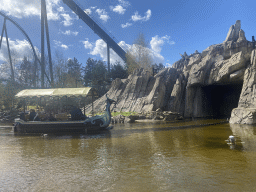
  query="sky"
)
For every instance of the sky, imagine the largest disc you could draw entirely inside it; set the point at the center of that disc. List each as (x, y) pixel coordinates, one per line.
(170, 27)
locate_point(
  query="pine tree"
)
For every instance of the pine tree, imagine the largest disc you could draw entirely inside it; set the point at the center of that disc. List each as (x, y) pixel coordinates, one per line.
(118, 71)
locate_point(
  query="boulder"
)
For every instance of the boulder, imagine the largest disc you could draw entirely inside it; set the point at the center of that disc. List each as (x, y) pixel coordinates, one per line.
(243, 116)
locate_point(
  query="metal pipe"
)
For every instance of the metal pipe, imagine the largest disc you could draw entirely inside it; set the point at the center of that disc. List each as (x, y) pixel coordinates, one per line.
(27, 37)
(42, 42)
(9, 52)
(2, 32)
(108, 58)
(48, 44)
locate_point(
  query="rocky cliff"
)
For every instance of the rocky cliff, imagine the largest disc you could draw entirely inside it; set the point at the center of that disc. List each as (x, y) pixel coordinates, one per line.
(214, 83)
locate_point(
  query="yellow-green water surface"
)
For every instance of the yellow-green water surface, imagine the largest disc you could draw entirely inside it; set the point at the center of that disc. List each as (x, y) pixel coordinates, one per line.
(144, 156)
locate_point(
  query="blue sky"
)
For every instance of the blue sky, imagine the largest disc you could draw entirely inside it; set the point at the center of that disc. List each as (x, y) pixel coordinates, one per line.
(170, 27)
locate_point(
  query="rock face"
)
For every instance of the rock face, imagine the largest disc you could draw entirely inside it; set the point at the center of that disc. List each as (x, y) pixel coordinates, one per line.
(140, 92)
(246, 111)
(234, 31)
(208, 84)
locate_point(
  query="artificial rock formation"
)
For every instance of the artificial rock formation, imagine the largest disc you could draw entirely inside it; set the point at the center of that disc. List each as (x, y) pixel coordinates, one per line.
(245, 113)
(207, 84)
(140, 92)
(234, 32)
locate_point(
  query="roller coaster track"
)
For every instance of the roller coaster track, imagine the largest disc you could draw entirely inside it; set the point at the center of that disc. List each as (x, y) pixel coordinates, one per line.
(96, 28)
(25, 34)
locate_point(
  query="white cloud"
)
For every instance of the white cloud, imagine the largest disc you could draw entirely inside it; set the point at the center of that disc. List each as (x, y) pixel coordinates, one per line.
(19, 49)
(67, 20)
(168, 65)
(59, 44)
(104, 17)
(68, 32)
(119, 9)
(155, 56)
(25, 8)
(126, 25)
(124, 46)
(5, 69)
(60, 9)
(137, 17)
(87, 44)
(124, 3)
(156, 42)
(88, 11)
(64, 46)
(99, 48)
(103, 14)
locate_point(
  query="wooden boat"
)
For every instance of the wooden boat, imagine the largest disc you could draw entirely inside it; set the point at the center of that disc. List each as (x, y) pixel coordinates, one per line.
(95, 123)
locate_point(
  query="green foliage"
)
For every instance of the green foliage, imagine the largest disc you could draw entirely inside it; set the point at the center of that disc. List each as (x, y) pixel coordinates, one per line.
(60, 70)
(74, 68)
(67, 73)
(95, 75)
(118, 71)
(113, 114)
(1, 95)
(73, 73)
(8, 94)
(99, 73)
(88, 72)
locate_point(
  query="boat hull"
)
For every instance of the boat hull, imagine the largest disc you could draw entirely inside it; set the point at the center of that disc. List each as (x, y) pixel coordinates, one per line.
(56, 127)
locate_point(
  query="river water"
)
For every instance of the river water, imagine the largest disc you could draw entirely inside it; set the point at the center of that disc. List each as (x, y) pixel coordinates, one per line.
(143, 156)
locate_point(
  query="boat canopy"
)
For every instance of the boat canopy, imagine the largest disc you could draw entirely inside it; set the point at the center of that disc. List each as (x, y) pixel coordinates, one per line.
(59, 92)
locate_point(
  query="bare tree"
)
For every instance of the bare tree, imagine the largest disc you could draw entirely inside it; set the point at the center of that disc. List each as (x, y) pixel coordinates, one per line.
(60, 70)
(138, 56)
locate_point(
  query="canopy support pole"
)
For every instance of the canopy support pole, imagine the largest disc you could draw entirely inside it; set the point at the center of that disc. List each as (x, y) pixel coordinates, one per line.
(24, 103)
(92, 104)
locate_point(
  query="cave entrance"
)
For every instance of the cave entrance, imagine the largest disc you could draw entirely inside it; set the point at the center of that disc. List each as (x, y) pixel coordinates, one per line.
(219, 100)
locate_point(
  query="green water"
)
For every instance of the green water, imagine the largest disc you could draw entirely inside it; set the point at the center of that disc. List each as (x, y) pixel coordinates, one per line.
(132, 157)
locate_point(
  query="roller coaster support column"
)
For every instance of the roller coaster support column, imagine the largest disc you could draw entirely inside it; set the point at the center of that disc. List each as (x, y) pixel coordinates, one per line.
(108, 58)
(44, 23)
(8, 47)
(42, 43)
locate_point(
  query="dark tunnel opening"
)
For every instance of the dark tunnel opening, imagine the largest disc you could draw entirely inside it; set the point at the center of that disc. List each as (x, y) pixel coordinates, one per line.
(219, 100)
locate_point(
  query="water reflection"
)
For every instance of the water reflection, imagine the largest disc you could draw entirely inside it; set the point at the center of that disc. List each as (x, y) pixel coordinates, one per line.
(130, 157)
(245, 136)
